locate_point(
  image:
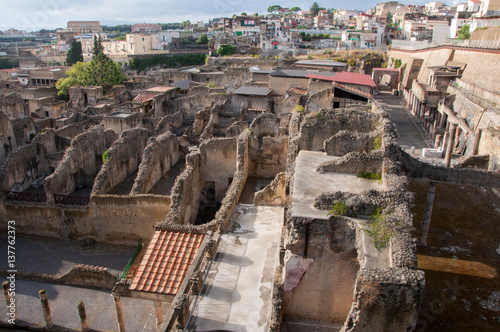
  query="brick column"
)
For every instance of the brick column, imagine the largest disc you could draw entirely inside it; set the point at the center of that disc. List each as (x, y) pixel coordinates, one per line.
(46, 309)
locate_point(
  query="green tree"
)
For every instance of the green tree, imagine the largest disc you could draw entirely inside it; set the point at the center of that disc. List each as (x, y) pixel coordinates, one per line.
(186, 24)
(389, 18)
(203, 39)
(226, 50)
(255, 14)
(74, 54)
(464, 32)
(315, 9)
(295, 9)
(244, 14)
(97, 48)
(101, 71)
(274, 9)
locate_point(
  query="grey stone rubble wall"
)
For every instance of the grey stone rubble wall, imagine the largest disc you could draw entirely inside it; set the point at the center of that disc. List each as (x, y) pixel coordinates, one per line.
(397, 290)
(78, 158)
(346, 141)
(124, 158)
(185, 193)
(159, 156)
(24, 128)
(168, 123)
(316, 129)
(15, 172)
(354, 163)
(190, 105)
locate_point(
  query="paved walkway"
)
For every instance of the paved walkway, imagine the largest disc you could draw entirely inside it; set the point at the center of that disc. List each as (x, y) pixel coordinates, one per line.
(63, 300)
(56, 257)
(409, 135)
(240, 281)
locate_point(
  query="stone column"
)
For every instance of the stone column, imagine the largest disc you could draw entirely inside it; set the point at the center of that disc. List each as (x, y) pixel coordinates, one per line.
(477, 139)
(83, 316)
(442, 122)
(10, 304)
(119, 313)
(434, 129)
(449, 147)
(159, 315)
(46, 309)
(438, 140)
(426, 220)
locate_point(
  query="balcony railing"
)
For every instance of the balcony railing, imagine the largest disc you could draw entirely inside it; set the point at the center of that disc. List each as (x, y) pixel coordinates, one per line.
(73, 200)
(26, 197)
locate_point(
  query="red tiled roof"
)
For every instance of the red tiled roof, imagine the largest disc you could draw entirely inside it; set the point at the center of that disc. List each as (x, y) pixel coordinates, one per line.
(347, 78)
(165, 262)
(298, 91)
(145, 96)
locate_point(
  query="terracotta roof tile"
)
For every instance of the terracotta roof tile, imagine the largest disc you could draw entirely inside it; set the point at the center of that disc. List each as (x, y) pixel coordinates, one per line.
(165, 262)
(298, 91)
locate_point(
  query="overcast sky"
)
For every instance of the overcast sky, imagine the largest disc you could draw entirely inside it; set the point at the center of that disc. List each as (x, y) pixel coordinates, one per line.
(32, 15)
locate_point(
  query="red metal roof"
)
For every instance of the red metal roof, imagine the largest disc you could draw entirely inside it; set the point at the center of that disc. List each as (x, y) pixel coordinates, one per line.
(347, 78)
(354, 90)
(165, 262)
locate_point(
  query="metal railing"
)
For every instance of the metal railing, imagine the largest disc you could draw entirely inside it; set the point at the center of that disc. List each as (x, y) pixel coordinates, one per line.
(73, 200)
(26, 197)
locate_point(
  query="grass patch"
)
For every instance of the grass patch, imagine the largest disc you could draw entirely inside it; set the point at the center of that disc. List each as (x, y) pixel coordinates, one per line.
(339, 209)
(377, 142)
(105, 156)
(382, 228)
(370, 176)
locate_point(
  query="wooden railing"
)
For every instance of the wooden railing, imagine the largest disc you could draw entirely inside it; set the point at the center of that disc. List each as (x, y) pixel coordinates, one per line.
(26, 197)
(73, 200)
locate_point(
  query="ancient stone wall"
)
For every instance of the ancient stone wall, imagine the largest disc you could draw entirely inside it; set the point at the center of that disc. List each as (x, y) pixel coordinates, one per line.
(284, 105)
(159, 156)
(274, 193)
(218, 163)
(119, 123)
(190, 105)
(8, 142)
(124, 157)
(24, 130)
(81, 162)
(346, 141)
(319, 100)
(318, 128)
(107, 219)
(186, 193)
(23, 166)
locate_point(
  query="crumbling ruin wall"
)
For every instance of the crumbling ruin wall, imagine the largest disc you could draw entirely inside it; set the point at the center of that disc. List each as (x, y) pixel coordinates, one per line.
(319, 100)
(228, 205)
(24, 130)
(159, 156)
(354, 163)
(8, 142)
(120, 124)
(269, 157)
(286, 104)
(265, 125)
(346, 141)
(81, 162)
(74, 129)
(318, 128)
(240, 102)
(186, 193)
(13, 105)
(218, 163)
(236, 128)
(118, 220)
(170, 123)
(190, 105)
(316, 86)
(235, 76)
(22, 167)
(124, 157)
(274, 193)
